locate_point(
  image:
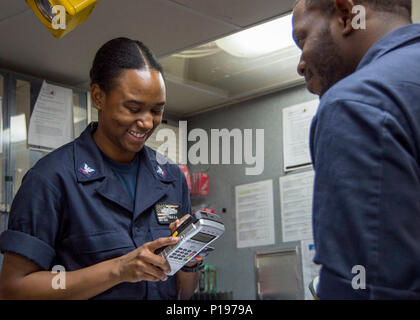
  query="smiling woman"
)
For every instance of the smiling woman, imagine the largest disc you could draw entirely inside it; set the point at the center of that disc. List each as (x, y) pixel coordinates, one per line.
(128, 90)
(91, 207)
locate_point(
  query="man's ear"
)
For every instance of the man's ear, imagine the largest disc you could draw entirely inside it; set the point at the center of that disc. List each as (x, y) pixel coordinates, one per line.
(345, 15)
(98, 96)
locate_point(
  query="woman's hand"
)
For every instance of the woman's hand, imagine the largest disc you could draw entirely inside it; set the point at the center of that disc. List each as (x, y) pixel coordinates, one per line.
(173, 226)
(143, 264)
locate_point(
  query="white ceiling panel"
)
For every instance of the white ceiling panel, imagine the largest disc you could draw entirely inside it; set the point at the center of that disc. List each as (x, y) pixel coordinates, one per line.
(183, 97)
(28, 47)
(242, 13)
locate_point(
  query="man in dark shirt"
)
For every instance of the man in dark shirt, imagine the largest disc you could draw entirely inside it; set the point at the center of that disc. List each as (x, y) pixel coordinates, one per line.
(362, 58)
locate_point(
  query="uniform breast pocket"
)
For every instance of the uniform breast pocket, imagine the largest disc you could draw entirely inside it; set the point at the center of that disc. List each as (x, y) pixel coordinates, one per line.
(160, 232)
(97, 247)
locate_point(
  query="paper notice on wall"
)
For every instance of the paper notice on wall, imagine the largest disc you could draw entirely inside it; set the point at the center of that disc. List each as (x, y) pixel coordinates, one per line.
(309, 268)
(51, 123)
(254, 214)
(296, 191)
(296, 129)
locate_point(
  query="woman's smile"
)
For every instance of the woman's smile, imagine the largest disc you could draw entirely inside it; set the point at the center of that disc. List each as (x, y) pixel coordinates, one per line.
(137, 136)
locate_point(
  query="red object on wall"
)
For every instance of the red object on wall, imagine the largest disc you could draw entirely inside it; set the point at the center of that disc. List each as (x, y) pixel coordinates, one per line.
(200, 184)
(187, 175)
(207, 210)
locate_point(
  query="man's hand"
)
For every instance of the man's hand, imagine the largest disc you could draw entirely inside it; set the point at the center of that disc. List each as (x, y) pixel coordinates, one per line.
(143, 264)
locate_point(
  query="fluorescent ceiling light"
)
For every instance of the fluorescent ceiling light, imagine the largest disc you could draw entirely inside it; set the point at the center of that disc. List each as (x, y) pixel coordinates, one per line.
(260, 40)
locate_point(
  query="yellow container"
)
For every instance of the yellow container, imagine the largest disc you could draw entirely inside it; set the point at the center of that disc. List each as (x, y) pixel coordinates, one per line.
(77, 12)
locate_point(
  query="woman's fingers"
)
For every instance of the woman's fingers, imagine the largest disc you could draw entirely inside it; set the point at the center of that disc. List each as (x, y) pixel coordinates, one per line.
(149, 256)
(161, 242)
(143, 264)
(174, 225)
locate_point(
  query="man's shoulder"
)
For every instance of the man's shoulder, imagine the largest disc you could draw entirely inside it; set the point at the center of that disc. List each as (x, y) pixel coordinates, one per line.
(378, 83)
(384, 73)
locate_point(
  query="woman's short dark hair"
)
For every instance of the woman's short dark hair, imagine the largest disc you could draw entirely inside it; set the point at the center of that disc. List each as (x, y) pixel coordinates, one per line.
(117, 55)
(327, 6)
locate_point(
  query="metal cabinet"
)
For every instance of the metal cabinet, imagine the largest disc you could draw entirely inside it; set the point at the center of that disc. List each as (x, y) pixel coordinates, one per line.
(278, 275)
(18, 94)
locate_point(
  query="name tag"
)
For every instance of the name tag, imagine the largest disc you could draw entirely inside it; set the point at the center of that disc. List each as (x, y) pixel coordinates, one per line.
(166, 213)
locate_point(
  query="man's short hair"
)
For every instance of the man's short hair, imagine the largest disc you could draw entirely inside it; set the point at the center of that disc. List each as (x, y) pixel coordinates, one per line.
(393, 6)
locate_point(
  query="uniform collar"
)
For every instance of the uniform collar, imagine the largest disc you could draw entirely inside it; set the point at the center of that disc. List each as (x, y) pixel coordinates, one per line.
(149, 158)
(391, 41)
(88, 156)
(89, 163)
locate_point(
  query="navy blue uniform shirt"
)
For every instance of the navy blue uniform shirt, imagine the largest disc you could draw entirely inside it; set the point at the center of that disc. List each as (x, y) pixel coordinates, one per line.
(72, 210)
(365, 145)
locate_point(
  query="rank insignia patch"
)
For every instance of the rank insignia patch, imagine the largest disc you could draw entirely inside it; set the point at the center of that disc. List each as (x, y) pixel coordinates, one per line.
(160, 172)
(86, 170)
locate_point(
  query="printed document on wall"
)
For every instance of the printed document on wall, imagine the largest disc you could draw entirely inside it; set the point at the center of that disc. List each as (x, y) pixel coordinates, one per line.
(310, 269)
(51, 123)
(296, 129)
(254, 214)
(296, 191)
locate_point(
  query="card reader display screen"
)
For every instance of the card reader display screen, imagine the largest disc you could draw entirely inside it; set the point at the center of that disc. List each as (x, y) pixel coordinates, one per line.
(203, 237)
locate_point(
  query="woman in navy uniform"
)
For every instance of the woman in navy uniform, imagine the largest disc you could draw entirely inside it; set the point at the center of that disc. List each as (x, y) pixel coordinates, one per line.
(100, 206)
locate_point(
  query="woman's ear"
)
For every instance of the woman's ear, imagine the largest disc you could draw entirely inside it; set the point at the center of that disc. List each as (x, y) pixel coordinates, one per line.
(345, 15)
(98, 96)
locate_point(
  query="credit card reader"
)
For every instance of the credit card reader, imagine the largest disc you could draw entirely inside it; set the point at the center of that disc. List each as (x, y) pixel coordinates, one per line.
(195, 233)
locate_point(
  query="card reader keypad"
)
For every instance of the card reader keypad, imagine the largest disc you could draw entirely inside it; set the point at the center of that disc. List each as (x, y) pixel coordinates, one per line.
(194, 235)
(183, 254)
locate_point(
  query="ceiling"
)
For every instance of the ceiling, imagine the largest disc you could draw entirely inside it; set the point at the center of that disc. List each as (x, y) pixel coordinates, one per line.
(166, 26)
(220, 78)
